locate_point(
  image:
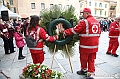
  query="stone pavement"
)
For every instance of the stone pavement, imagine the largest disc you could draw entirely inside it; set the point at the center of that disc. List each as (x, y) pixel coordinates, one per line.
(107, 67)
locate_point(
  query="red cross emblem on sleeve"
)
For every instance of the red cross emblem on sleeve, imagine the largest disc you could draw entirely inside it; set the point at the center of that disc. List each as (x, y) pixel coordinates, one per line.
(94, 28)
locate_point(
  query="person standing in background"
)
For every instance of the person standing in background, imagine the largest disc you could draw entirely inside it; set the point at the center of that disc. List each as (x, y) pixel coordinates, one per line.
(114, 33)
(5, 36)
(15, 22)
(25, 25)
(20, 24)
(101, 24)
(10, 40)
(19, 41)
(109, 22)
(105, 25)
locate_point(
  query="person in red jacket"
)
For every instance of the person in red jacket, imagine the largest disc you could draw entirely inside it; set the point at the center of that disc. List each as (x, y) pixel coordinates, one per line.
(114, 33)
(38, 33)
(89, 33)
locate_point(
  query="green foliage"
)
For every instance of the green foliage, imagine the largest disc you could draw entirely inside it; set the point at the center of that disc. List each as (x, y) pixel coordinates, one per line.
(55, 12)
(35, 71)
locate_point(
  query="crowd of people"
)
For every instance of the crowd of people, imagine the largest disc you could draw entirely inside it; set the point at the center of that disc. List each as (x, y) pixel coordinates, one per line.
(89, 30)
(105, 24)
(7, 30)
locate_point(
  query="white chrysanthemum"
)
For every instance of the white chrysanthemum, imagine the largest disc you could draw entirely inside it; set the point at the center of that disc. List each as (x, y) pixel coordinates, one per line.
(43, 68)
(38, 75)
(30, 69)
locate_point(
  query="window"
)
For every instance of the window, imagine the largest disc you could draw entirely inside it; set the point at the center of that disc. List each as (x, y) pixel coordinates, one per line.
(32, 5)
(42, 6)
(105, 13)
(11, 2)
(100, 12)
(100, 5)
(89, 3)
(51, 5)
(60, 5)
(95, 12)
(67, 6)
(95, 4)
(14, 9)
(110, 14)
(81, 4)
(105, 5)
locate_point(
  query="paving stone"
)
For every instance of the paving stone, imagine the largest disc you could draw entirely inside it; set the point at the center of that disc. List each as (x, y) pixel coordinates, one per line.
(64, 61)
(16, 72)
(6, 72)
(48, 62)
(75, 67)
(19, 64)
(70, 75)
(47, 55)
(1, 55)
(28, 58)
(101, 74)
(99, 61)
(2, 77)
(117, 75)
(8, 57)
(109, 68)
(5, 64)
(59, 55)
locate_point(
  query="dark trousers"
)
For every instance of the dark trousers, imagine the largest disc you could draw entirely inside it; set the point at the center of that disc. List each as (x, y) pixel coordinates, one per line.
(6, 45)
(105, 28)
(24, 30)
(11, 46)
(20, 52)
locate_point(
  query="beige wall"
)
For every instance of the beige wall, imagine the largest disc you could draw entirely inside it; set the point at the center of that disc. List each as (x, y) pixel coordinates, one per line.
(112, 11)
(118, 8)
(97, 9)
(12, 6)
(24, 6)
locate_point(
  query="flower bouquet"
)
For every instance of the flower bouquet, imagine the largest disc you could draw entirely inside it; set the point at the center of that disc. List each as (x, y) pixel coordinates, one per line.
(35, 71)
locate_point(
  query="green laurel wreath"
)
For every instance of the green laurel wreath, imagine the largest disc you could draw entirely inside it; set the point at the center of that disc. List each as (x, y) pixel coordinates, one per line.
(53, 13)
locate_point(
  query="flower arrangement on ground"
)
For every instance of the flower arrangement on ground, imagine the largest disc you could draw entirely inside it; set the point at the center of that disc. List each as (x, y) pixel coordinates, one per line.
(35, 71)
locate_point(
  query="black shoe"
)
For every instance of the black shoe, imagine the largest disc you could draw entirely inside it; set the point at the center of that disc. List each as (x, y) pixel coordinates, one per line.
(115, 55)
(22, 56)
(44, 52)
(19, 58)
(7, 53)
(108, 53)
(80, 72)
(12, 52)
